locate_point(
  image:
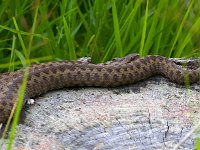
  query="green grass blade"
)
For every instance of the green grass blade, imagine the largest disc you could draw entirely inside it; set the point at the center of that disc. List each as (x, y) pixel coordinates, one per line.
(11, 64)
(20, 39)
(197, 143)
(72, 53)
(195, 28)
(116, 30)
(33, 29)
(83, 20)
(180, 28)
(161, 26)
(19, 104)
(21, 32)
(142, 53)
(152, 32)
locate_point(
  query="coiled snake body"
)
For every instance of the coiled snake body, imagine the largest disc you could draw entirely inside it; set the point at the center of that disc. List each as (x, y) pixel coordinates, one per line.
(55, 75)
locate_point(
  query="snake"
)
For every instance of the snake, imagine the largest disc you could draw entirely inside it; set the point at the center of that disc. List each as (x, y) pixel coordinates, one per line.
(130, 69)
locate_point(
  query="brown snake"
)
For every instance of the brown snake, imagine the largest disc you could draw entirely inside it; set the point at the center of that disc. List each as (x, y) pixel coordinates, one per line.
(55, 75)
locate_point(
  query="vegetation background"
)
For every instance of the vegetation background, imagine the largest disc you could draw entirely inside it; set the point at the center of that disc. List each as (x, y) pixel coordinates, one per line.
(102, 29)
(34, 31)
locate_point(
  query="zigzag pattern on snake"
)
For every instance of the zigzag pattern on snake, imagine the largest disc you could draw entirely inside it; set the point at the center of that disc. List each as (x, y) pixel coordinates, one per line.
(55, 75)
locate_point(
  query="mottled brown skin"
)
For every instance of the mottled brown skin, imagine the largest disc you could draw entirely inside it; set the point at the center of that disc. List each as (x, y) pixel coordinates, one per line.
(55, 75)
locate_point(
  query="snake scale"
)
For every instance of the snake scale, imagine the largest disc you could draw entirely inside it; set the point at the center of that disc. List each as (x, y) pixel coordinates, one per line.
(55, 75)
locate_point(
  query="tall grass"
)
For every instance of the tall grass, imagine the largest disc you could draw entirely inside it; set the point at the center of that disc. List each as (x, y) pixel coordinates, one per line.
(102, 29)
(47, 30)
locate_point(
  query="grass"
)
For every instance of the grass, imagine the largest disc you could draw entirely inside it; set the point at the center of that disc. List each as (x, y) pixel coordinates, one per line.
(197, 142)
(101, 29)
(39, 31)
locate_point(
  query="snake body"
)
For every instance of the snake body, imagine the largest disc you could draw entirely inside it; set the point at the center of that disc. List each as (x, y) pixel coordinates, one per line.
(55, 75)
